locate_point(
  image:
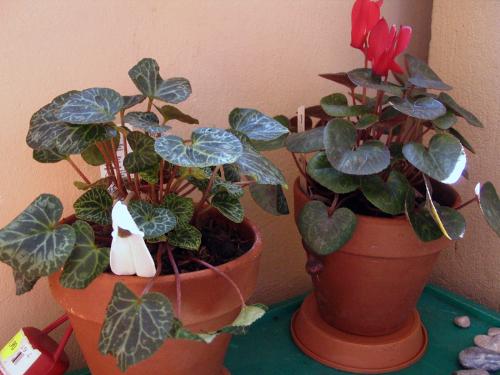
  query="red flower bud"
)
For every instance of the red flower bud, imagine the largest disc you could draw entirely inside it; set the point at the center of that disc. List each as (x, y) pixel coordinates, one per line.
(365, 14)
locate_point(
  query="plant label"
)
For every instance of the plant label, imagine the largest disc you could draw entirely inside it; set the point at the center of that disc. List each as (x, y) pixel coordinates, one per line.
(17, 356)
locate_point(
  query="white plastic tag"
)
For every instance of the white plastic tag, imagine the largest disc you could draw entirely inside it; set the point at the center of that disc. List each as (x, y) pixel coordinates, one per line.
(18, 355)
(120, 154)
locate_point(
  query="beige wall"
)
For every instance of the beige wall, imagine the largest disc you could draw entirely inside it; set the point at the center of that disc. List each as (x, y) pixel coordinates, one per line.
(258, 53)
(464, 51)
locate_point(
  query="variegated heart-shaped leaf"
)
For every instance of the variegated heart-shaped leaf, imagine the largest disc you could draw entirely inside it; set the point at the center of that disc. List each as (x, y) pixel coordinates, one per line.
(308, 141)
(444, 160)
(450, 103)
(143, 156)
(321, 171)
(445, 121)
(277, 143)
(209, 147)
(255, 125)
(185, 236)
(48, 156)
(135, 327)
(94, 206)
(91, 106)
(388, 196)
(336, 105)
(87, 260)
(364, 77)
(153, 221)
(34, 244)
(229, 206)
(369, 158)
(169, 112)
(490, 205)
(421, 75)
(131, 101)
(146, 76)
(147, 121)
(181, 207)
(74, 139)
(324, 234)
(424, 108)
(270, 198)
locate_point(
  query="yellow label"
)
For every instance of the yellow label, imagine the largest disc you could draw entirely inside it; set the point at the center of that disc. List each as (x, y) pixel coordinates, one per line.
(12, 346)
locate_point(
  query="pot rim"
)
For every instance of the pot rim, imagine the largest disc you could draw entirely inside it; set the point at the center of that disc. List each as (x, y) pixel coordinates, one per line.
(394, 220)
(252, 253)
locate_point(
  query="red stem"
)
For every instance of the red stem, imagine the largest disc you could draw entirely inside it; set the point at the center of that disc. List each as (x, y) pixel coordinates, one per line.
(302, 172)
(178, 292)
(207, 191)
(466, 203)
(160, 189)
(78, 170)
(193, 188)
(159, 254)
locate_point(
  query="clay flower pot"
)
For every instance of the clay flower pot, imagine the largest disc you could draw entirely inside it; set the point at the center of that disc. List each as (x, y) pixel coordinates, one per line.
(208, 302)
(362, 315)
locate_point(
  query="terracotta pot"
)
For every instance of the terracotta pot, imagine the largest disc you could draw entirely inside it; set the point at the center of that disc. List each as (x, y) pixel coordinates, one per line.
(371, 286)
(208, 303)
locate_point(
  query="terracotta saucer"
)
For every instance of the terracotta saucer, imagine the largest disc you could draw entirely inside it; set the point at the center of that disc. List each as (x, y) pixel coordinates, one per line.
(359, 354)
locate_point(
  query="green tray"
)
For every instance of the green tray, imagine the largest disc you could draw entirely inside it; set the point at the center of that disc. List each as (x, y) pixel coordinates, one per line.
(269, 350)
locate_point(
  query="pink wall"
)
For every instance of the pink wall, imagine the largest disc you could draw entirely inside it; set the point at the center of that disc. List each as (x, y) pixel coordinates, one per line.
(254, 53)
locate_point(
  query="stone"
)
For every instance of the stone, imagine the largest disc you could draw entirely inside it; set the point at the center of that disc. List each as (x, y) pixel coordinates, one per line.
(462, 321)
(493, 331)
(479, 358)
(471, 372)
(488, 342)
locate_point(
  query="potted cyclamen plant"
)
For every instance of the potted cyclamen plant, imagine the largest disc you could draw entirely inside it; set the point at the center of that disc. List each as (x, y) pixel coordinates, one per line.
(374, 204)
(196, 258)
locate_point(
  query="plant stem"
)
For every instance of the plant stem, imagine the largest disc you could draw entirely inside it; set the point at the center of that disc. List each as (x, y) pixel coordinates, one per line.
(178, 291)
(333, 206)
(160, 187)
(109, 167)
(193, 188)
(78, 170)
(466, 203)
(150, 104)
(207, 191)
(180, 189)
(117, 168)
(159, 263)
(302, 172)
(136, 184)
(220, 273)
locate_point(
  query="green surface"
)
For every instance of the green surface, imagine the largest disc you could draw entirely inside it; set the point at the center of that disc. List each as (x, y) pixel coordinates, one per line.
(269, 350)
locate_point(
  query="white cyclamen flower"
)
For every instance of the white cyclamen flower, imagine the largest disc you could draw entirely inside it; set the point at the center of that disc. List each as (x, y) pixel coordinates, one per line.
(129, 253)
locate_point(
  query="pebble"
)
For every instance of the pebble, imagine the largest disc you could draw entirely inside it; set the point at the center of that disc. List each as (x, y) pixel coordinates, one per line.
(493, 331)
(479, 358)
(488, 342)
(462, 321)
(471, 372)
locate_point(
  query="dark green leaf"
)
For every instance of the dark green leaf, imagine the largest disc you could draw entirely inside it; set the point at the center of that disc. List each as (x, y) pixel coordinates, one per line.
(229, 206)
(135, 327)
(131, 101)
(151, 175)
(446, 121)
(231, 173)
(147, 121)
(181, 207)
(174, 90)
(185, 236)
(336, 105)
(209, 147)
(170, 112)
(33, 244)
(93, 156)
(363, 77)
(48, 156)
(308, 141)
(450, 103)
(369, 158)
(366, 121)
(444, 160)
(462, 139)
(74, 139)
(153, 221)
(270, 198)
(143, 156)
(341, 78)
(94, 206)
(102, 182)
(424, 108)
(87, 260)
(321, 171)
(421, 221)
(91, 106)
(387, 196)
(421, 75)
(323, 234)
(255, 125)
(490, 206)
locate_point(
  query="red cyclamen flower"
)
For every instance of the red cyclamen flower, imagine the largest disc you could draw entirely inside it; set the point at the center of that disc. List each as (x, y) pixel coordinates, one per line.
(384, 45)
(365, 14)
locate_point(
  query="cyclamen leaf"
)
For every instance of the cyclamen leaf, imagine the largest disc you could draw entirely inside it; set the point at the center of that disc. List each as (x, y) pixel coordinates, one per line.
(321, 171)
(104, 182)
(181, 207)
(255, 125)
(150, 175)
(153, 221)
(261, 169)
(421, 75)
(421, 220)
(174, 90)
(185, 236)
(248, 315)
(389, 196)
(48, 156)
(147, 121)
(449, 102)
(33, 244)
(229, 206)
(94, 206)
(143, 156)
(91, 106)
(490, 205)
(364, 77)
(135, 327)
(87, 260)
(341, 78)
(209, 147)
(424, 108)
(74, 139)
(462, 139)
(308, 141)
(270, 198)
(336, 105)
(445, 121)
(169, 112)
(131, 101)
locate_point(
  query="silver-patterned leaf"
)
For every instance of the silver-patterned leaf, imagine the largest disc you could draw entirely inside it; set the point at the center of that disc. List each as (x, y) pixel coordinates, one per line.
(131, 101)
(424, 108)
(33, 244)
(209, 147)
(229, 206)
(369, 158)
(143, 156)
(181, 207)
(147, 121)
(321, 171)
(87, 260)
(94, 206)
(48, 156)
(421, 75)
(450, 103)
(270, 198)
(153, 221)
(74, 139)
(255, 125)
(185, 236)
(174, 90)
(308, 141)
(135, 327)
(91, 106)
